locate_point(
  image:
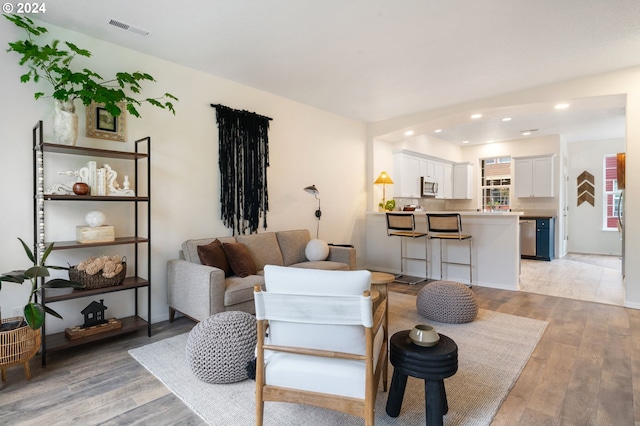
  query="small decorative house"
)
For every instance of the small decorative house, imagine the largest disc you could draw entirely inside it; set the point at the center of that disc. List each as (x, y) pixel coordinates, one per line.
(94, 314)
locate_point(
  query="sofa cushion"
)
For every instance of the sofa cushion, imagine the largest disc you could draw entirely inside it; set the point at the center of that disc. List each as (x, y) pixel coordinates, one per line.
(240, 259)
(263, 247)
(190, 247)
(213, 255)
(292, 244)
(240, 290)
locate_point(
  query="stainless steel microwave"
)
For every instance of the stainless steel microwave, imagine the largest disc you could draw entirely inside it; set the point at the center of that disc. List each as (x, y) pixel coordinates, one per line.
(428, 187)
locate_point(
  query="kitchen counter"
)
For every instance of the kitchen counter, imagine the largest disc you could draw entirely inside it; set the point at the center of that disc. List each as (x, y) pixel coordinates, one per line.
(495, 249)
(462, 213)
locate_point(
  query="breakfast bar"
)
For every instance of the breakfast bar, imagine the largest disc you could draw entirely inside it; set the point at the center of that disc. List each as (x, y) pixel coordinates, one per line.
(495, 249)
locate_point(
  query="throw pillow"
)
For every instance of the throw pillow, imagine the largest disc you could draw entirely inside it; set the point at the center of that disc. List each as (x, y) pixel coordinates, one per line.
(240, 259)
(213, 254)
(316, 250)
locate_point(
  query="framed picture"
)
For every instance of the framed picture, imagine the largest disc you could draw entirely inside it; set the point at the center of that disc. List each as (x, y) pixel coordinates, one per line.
(102, 125)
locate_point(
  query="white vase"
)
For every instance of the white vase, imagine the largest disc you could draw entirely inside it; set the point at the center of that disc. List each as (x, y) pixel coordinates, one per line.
(65, 123)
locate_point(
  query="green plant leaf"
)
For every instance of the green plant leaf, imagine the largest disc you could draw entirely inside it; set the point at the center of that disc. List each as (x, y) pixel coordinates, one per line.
(46, 253)
(36, 271)
(34, 315)
(28, 251)
(61, 283)
(52, 312)
(53, 63)
(13, 277)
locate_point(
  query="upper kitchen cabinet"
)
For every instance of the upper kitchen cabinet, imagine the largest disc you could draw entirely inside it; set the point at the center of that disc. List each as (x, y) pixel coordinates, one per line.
(406, 173)
(443, 173)
(533, 176)
(462, 181)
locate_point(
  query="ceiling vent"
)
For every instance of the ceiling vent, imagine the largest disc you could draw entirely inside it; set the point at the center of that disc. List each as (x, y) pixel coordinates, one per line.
(128, 27)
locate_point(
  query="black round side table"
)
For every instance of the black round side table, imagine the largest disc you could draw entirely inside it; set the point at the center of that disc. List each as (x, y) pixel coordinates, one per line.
(433, 364)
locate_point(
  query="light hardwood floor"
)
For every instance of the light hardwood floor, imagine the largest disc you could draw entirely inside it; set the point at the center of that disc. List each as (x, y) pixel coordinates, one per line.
(584, 371)
(576, 276)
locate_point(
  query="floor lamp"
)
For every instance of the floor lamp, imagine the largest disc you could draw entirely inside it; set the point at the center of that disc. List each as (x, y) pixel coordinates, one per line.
(383, 180)
(314, 191)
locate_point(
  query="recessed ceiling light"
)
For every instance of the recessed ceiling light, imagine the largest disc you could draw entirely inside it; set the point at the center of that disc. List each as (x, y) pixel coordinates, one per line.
(561, 106)
(526, 133)
(490, 141)
(506, 119)
(476, 116)
(437, 131)
(408, 133)
(465, 141)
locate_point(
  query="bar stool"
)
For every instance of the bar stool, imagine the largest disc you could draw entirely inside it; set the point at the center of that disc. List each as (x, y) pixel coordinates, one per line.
(404, 225)
(448, 227)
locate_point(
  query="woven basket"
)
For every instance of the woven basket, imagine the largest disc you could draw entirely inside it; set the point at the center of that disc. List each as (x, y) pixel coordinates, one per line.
(18, 346)
(96, 281)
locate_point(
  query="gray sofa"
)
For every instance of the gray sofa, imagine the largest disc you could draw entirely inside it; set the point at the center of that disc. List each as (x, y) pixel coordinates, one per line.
(199, 291)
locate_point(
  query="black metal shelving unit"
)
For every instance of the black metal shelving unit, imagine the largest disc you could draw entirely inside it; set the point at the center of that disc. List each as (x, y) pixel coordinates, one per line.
(141, 243)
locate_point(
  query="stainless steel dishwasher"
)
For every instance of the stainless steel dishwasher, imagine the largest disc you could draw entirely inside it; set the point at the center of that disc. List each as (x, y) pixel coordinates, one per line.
(528, 237)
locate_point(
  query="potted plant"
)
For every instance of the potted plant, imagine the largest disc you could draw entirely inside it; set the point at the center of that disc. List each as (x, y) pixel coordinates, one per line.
(20, 338)
(52, 62)
(34, 312)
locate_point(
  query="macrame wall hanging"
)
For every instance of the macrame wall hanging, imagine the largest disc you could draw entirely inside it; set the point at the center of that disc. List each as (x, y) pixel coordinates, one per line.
(243, 157)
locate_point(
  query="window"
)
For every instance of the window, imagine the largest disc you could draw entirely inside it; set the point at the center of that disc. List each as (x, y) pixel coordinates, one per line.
(496, 183)
(611, 193)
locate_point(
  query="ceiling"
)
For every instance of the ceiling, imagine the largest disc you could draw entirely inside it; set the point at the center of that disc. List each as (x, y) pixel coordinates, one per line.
(372, 60)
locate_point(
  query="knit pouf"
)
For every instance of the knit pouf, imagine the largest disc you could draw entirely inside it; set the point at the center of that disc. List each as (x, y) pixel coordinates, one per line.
(447, 301)
(220, 347)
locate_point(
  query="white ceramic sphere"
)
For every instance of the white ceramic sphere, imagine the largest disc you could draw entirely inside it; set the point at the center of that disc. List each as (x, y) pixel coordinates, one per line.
(95, 218)
(316, 250)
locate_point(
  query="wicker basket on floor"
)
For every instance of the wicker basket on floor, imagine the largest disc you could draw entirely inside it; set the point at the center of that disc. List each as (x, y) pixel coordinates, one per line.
(97, 280)
(18, 346)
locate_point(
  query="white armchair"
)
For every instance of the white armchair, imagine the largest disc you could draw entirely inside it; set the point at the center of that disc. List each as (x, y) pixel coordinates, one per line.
(325, 346)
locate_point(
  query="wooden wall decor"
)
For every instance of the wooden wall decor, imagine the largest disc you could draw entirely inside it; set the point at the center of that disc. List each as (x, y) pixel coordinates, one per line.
(586, 188)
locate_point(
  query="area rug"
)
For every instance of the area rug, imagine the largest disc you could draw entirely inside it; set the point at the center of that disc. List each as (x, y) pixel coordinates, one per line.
(492, 351)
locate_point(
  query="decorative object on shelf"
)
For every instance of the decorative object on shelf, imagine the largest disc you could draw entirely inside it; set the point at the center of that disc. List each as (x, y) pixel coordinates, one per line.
(95, 218)
(102, 125)
(52, 63)
(94, 314)
(384, 179)
(94, 322)
(243, 152)
(34, 312)
(81, 175)
(314, 191)
(65, 122)
(112, 185)
(18, 344)
(80, 188)
(97, 231)
(99, 272)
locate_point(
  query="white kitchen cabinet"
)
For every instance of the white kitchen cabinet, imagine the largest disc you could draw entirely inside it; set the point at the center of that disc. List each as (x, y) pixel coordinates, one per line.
(533, 176)
(445, 185)
(406, 176)
(462, 181)
(409, 167)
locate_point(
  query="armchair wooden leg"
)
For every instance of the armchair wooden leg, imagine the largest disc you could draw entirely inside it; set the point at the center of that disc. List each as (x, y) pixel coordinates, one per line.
(172, 314)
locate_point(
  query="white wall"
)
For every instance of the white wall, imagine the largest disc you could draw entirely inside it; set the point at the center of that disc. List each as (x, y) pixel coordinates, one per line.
(589, 156)
(307, 146)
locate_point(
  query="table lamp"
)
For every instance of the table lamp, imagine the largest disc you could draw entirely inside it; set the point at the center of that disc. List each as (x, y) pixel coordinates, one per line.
(384, 179)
